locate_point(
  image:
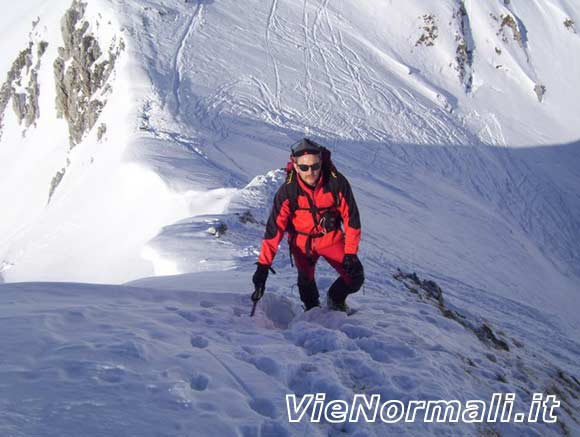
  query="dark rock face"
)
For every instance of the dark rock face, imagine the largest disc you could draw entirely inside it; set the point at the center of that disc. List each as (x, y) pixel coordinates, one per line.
(431, 292)
(81, 73)
(465, 47)
(55, 181)
(540, 90)
(508, 22)
(101, 131)
(570, 25)
(21, 86)
(430, 31)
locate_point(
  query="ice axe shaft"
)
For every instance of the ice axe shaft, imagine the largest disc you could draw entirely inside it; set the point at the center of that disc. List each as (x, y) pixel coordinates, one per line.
(256, 296)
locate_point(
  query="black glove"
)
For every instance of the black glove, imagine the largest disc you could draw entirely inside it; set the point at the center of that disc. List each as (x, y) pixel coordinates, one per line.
(259, 280)
(352, 265)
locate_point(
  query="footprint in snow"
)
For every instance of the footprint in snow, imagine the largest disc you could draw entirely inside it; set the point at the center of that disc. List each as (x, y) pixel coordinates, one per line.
(75, 315)
(265, 364)
(385, 352)
(354, 331)
(278, 309)
(404, 382)
(268, 366)
(252, 350)
(78, 369)
(264, 407)
(251, 431)
(128, 349)
(273, 429)
(112, 375)
(207, 406)
(239, 312)
(199, 382)
(199, 341)
(187, 315)
(318, 340)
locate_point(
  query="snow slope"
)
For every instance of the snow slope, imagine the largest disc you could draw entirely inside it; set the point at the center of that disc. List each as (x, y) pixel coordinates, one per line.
(119, 360)
(206, 97)
(465, 170)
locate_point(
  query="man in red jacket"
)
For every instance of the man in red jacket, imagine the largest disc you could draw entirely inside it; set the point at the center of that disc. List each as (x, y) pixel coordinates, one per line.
(316, 207)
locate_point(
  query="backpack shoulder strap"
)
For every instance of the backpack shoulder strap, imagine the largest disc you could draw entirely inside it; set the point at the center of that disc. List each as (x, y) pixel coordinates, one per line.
(291, 186)
(332, 183)
(331, 175)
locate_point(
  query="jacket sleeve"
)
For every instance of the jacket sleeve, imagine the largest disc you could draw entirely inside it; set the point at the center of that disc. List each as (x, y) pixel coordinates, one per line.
(350, 216)
(275, 228)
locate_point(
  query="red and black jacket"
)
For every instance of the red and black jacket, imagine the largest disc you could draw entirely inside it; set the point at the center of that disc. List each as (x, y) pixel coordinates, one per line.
(299, 210)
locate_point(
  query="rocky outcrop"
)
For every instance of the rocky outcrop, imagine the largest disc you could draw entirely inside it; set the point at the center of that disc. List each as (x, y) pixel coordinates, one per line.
(512, 28)
(55, 181)
(430, 31)
(510, 360)
(218, 229)
(101, 131)
(82, 71)
(508, 22)
(465, 47)
(540, 90)
(21, 86)
(429, 291)
(570, 25)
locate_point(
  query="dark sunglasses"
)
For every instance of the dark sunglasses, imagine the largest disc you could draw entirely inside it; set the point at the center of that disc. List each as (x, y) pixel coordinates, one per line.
(314, 167)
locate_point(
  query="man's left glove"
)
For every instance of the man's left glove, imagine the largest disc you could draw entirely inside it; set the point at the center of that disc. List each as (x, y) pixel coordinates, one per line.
(352, 265)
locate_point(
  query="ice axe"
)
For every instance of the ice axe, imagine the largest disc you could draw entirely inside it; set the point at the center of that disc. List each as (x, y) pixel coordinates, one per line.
(259, 280)
(256, 296)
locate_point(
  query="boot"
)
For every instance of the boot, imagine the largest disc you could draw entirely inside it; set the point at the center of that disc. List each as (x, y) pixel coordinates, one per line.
(337, 293)
(337, 305)
(308, 293)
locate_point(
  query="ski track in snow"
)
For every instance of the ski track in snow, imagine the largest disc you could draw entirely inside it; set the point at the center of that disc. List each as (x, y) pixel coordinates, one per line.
(322, 51)
(308, 90)
(177, 62)
(350, 79)
(271, 24)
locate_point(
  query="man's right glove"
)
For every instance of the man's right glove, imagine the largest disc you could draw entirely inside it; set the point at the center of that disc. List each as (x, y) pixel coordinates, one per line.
(259, 280)
(352, 265)
(260, 276)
